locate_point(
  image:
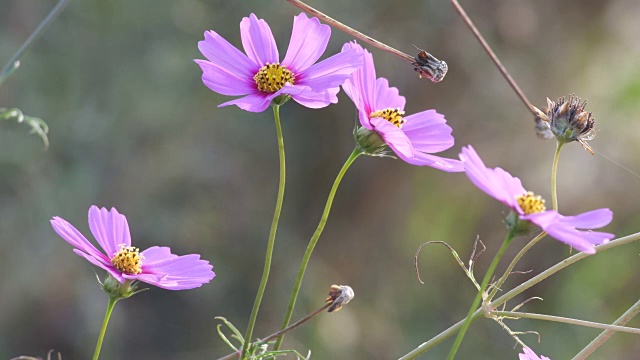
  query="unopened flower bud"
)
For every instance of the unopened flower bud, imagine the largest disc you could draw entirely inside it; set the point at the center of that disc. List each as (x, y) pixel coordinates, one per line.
(369, 142)
(117, 290)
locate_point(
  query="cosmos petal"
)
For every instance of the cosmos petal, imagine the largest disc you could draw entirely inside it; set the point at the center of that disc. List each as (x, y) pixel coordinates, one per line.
(258, 41)
(394, 137)
(331, 72)
(224, 82)
(428, 131)
(110, 228)
(300, 55)
(70, 234)
(221, 53)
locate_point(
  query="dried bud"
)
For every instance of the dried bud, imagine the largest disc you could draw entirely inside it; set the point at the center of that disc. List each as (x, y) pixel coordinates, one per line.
(567, 120)
(428, 66)
(339, 295)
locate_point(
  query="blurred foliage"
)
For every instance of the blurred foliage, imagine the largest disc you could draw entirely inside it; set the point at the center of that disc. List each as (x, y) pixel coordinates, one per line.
(38, 126)
(132, 126)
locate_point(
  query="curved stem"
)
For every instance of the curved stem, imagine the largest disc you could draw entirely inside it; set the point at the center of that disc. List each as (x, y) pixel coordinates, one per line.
(561, 265)
(605, 335)
(13, 64)
(518, 290)
(272, 236)
(554, 176)
(493, 56)
(513, 263)
(515, 314)
(312, 243)
(107, 316)
(478, 298)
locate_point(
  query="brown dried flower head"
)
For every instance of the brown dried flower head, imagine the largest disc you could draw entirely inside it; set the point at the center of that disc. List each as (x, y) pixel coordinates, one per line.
(339, 295)
(567, 121)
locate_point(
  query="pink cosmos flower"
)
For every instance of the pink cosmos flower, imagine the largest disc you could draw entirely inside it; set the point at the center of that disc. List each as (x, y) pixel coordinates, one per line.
(260, 76)
(530, 355)
(156, 265)
(507, 189)
(381, 109)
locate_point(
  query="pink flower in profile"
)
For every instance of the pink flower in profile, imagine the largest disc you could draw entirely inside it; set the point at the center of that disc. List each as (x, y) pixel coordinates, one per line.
(530, 355)
(259, 76)
(507, 189)
(381, 110)
(156, 265)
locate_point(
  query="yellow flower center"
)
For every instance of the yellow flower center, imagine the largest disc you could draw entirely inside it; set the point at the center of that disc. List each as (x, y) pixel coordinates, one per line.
(128, 260)
(531, 203)
(272, 77)
(394, 116)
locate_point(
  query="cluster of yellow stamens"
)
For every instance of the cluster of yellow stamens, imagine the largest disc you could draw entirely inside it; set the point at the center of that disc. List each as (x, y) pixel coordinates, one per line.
(531, 203)
(128, 260)
(272, 77)
(394, 116)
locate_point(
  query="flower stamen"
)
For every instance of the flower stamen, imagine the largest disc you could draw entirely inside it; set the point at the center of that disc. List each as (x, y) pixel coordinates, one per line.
(394, 116)
(272, 77)
(531, 203)
(128, 260)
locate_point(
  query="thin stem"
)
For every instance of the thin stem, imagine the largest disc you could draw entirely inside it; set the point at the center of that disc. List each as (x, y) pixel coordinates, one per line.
(283, 331)
(518, 290)
(478, 298)
(513, 263)
(297, 323)
(312, 243)
(13, 63)
(355, 33)
(564, 320)
(605, 335)
(107, 316)
(493, 56)
(561, 265)
(424, 347)
(554, 176)
(272, 236)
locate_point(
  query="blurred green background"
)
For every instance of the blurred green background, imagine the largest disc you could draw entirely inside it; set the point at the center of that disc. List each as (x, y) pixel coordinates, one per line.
(133, 127)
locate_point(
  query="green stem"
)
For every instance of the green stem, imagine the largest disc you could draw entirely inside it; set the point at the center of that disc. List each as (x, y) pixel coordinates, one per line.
(554, 176)
(561, 265)
(272, 236)
(518, 290)
(107, 315)
(13, 64)
(605, 335)
(312, 243)
(478, 298)
(515, 314)
(513, 263)
(424, 347)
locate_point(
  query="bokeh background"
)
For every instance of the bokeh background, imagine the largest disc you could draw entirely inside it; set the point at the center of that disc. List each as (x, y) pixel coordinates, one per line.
(133, 127)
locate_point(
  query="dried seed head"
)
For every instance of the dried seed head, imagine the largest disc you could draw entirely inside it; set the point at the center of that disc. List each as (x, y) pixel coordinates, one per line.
(566, 120)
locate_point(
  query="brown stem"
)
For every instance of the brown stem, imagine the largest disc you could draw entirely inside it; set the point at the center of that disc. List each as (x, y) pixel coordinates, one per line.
(492, 55)
(296, 324)
(355, 33)
(283, 331)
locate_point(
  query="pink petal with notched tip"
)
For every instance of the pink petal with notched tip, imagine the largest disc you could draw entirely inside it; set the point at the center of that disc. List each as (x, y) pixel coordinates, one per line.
(300, 55)
(258, 41)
